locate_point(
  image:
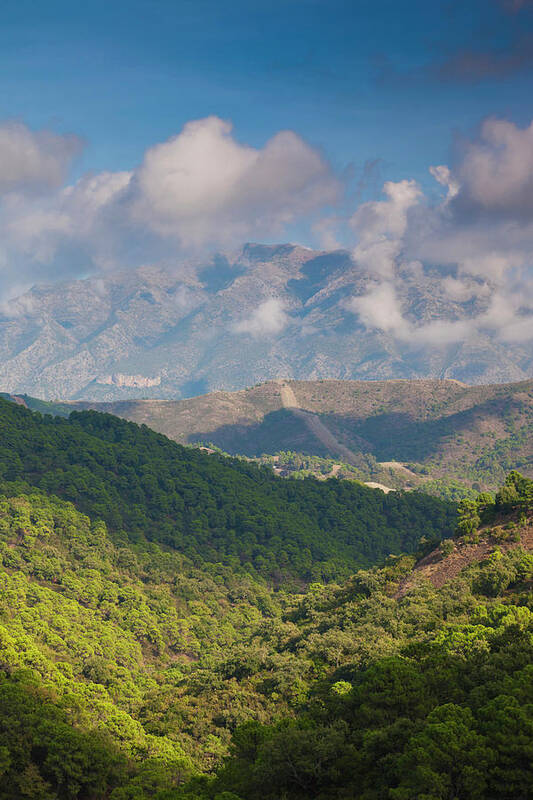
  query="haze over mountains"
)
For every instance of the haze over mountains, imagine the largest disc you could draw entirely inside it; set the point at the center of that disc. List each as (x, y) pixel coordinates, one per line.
(264, 312)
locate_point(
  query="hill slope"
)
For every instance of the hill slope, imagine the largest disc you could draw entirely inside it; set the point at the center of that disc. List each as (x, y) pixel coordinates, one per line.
(209, 507)
(204, 327)
(442, 430)
(125, 670)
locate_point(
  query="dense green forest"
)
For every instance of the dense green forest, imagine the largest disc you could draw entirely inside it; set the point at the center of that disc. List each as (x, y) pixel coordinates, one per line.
(211, 508)
(134, 668)
(130, 674)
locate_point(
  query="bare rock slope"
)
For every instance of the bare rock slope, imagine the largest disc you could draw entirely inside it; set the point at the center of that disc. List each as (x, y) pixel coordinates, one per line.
(199, 328)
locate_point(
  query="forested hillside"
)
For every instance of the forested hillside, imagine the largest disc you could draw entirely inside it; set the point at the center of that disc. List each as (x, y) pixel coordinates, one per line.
(209, 508)
(129, 673)
(429, 692)
(442, 431)
(112, 630)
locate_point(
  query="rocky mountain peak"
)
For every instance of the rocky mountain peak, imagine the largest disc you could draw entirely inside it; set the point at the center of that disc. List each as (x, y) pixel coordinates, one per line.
(266, 311)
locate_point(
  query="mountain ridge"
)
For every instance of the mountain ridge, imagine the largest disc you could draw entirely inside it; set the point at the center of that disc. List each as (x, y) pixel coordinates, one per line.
(399, 433)
(211, 508)
(263, 312)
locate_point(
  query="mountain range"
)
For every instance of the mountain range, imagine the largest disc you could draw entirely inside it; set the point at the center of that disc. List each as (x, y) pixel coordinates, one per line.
(264, 312)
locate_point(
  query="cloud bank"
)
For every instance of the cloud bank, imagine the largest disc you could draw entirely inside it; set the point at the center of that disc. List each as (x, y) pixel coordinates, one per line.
(200, 189)
(203, 189)
(480, 236)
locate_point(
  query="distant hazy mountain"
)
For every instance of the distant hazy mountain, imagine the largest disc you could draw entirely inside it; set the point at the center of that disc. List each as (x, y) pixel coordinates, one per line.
(164, 334)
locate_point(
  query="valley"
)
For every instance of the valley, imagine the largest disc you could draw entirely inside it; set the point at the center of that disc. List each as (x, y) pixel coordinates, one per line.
(266, 400)
(180, 625)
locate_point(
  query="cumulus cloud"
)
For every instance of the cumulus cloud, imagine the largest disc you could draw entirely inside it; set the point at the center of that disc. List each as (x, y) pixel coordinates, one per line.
(496, 171)
(463, 290)
(34, 160)
(484, 226)
(268, 319)
(379, 308)
(443, 175)
(510, 316)
(204, 187)
(380, 226)
(479, 237)
(200, 190)
(62, 233)
(186, 299)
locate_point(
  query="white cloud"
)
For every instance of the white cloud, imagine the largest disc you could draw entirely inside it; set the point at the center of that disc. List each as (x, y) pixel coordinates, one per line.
(463, 290)
(379, 308)
(30, 160)
(506, 316)
(94, 191)
(268, 319)
(443, 175)
(380, 226)
(519, 330)
(34, 229)
(200, 190)
(203, 187)
(18, 302)
(496, 172)
(186, 299)
(439, 333)
(481, 229)
(484, 227)
(510, 316)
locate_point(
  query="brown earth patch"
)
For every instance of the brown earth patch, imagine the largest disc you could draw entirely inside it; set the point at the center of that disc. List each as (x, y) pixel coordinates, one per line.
(439, 569)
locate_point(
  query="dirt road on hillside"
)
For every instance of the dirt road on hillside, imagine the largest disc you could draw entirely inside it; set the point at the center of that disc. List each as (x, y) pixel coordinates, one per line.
(315, 425)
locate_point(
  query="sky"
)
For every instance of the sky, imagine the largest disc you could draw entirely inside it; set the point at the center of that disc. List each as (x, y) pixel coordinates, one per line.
(144, 131)
(362, 80)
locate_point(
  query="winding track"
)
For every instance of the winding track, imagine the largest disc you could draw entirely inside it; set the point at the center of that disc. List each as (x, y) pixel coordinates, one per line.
(315, 425)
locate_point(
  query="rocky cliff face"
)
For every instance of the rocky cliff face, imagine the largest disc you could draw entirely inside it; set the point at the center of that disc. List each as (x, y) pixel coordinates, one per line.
(131, 381)
(265, 312)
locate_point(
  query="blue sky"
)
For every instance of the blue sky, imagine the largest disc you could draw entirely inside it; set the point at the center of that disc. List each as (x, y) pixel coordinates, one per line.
(138, 132)
(359, 79)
